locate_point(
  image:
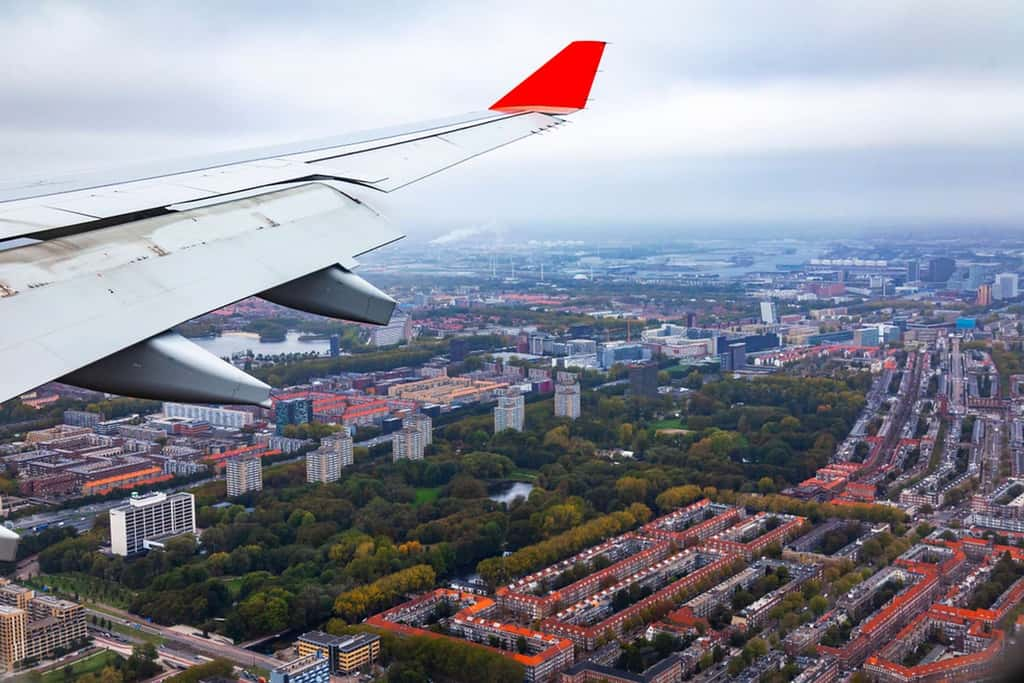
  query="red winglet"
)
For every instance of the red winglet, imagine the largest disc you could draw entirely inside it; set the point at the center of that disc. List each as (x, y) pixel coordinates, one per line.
(561, 86)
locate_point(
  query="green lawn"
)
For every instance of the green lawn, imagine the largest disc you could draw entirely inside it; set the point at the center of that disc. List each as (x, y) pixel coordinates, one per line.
(87, 665)
(427, 495)
(523, 475)
(671, 423)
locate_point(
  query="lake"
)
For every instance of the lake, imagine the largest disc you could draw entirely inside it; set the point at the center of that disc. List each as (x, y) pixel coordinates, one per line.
(231, 343)
(514, 490)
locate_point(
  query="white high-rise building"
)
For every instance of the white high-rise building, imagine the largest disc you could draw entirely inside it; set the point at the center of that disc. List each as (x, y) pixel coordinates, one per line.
(219, 417)
(769, 312)
(244, 475)
(510, 412)
(1007, 286)
(325, 463)
(407, 444)
(150, 517)
(567, 396)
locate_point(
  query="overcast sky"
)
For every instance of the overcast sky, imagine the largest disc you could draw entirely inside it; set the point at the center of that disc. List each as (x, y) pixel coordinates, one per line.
(826, 114)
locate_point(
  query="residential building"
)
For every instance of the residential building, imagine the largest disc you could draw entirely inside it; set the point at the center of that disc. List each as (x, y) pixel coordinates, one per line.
(1007, 286)
(244, 475)
(769, 312)
(220, 417)
(984, 295)
(34, 626)
(567, 396)
(81, 418)
(407, 444)
(13, 624)
(292, 411)
(325, 463)
(153, 516)
(510, 413)
(312, 668)
(423, 424)
(344, 654)
(396, 331)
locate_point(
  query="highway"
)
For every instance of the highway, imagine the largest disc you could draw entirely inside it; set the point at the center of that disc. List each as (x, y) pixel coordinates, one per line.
(208, 647)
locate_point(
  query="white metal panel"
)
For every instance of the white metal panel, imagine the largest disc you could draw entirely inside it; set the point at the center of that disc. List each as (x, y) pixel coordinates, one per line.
(93, 311)
(387, 163)
(392, 167)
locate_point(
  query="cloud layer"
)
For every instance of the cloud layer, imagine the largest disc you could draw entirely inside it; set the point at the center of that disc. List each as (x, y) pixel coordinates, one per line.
(836, 114)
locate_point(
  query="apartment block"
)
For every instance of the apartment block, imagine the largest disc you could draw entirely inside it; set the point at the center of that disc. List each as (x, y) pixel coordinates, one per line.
(510, 413)
(325, 463)
(244, 475)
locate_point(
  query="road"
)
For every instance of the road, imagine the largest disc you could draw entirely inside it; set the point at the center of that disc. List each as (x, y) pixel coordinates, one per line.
(211, 648)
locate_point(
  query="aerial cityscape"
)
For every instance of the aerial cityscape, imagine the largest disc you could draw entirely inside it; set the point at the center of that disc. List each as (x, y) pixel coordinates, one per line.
(696, 355)
(580, 462)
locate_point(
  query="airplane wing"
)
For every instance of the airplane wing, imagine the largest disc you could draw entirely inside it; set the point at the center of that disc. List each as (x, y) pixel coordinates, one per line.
(118, 259)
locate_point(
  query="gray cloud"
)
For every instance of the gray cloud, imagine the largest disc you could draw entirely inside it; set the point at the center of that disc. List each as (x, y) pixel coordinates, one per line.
(740, 111)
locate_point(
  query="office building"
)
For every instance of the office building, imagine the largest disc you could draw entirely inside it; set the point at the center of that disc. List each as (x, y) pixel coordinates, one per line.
(984, 295)
(244, 475)
(407, 444)
(643, 380)
(510, 412)
(940, 269)
(312, 668)
(567, 396)
(220, 417)
(292, 411)
(735, 357)
(325, 463)
(913, 271)
(150, 517)
(769, 312)
(344, 654)
(1007, 286)
(335, 345)
(610, 353)
(876, 335)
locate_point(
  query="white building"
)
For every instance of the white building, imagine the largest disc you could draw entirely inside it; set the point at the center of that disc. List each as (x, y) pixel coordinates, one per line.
(567, 396)
(399, 329)
(1007, 286)
(219, 417)
(325, 463)
(769, 312)
(510, 413)
(407, 444)
(244, 474)
(150, 517)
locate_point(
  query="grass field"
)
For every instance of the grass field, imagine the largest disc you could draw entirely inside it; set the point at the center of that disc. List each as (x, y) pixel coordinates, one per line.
(427, 495)
(671, 423)
(87, 665)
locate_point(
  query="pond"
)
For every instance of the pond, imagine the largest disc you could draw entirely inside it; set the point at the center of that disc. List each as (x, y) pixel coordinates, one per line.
(509, 492)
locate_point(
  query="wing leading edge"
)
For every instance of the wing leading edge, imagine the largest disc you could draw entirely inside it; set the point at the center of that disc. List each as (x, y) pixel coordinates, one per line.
(123, 258)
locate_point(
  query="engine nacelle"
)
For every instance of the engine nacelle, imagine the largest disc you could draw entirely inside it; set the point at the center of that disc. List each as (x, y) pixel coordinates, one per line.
(336, 293)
